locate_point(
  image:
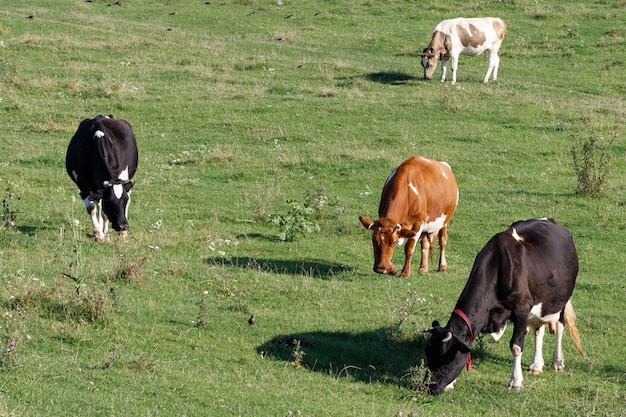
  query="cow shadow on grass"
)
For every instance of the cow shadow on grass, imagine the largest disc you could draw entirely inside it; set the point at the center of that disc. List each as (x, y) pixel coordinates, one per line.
(372, 356)
(309, 268)
(391, 77)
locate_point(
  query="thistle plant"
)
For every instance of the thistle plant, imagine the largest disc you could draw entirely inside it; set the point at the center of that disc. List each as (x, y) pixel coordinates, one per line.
(8, 214)
(591, 165)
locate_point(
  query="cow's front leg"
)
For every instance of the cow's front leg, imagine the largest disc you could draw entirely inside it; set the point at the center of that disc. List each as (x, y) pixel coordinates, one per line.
(444, 67)
(95, 212)
(454, 63)
(409, 248)
(537, 366)
(516, 383)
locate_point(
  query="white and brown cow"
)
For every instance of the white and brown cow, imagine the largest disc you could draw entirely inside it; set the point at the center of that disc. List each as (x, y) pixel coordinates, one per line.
(463, 36)
(524, 275)
(102, 159)
(417, 202)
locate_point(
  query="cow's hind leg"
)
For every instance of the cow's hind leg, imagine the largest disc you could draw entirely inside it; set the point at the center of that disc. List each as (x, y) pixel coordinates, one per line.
(558, 361)
(494, 63)
(537, 366)
(443, 241)
(425, 244)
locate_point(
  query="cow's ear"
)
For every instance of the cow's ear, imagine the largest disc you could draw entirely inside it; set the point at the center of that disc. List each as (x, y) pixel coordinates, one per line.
(463, 348)
(407, 233)
(128, 185)
(435, 323)
(96, 195)
(367, 223)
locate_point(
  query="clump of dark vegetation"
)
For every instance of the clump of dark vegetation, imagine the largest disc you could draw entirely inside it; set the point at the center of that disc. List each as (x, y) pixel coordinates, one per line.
(418, 379)
(302, 217)
(9, 214)
(130, 268)
(590, 160)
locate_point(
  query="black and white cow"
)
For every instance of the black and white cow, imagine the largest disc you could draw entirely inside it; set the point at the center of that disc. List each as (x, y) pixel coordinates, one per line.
(102, 159)
(524, 275)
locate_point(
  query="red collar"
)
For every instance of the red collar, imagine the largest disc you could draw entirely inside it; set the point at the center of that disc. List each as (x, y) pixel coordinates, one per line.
(463, 316)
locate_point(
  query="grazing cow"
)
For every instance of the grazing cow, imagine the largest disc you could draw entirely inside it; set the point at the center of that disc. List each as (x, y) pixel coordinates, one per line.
(102, 159)
(417, 202)
(525, 275)
(463, 36)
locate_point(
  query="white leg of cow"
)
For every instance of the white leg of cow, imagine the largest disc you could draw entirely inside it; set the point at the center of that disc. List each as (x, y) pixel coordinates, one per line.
(537, 366)
(517, 378)
(425, 243)
(454, 63)
(494, 62)
(558, 361)
(444, 67)
(95, 212)
(105, 226)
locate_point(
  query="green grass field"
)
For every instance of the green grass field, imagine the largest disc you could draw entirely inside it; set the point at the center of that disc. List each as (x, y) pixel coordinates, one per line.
(242, 107)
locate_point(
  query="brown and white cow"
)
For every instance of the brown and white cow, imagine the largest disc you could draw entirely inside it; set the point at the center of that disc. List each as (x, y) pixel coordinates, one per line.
(417, 202)
(525, 275)
(463, 36)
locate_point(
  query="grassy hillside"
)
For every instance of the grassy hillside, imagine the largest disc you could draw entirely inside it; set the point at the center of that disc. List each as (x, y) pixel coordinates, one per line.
(244, 112)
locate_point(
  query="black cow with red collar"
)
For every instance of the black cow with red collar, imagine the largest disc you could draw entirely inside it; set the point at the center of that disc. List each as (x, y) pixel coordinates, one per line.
(102, 159)
(524, 275)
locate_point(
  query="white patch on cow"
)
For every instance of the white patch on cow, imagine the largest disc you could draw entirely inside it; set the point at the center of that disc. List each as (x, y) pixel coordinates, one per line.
(537, 319)
(123, 175)
(443, 173)
(434, 226)
(118, 190)
(418, 235)
(400, 242)
(450, 386)
(500, 333)
(390, 177)
(99, 134)
(75, 175)
(413, 188)
(516, 236)
(426, 160)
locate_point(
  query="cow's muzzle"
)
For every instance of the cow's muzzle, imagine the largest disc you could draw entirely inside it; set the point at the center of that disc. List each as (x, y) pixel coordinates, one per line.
(389, 270)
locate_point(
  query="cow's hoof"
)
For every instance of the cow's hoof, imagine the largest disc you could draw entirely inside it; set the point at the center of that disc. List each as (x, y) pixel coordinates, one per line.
(443, 268)
(558, 367)
(516, 388)
(534, 369)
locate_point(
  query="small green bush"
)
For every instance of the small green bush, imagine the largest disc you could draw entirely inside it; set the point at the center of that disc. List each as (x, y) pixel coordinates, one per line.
(591, 165)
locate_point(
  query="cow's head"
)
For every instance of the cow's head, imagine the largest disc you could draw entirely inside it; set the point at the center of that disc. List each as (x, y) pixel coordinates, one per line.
(446, 356)
(429, 62)
(386, 235)
(115, 199)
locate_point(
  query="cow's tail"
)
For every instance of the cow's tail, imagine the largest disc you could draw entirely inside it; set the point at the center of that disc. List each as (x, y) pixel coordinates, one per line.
(570, 322)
